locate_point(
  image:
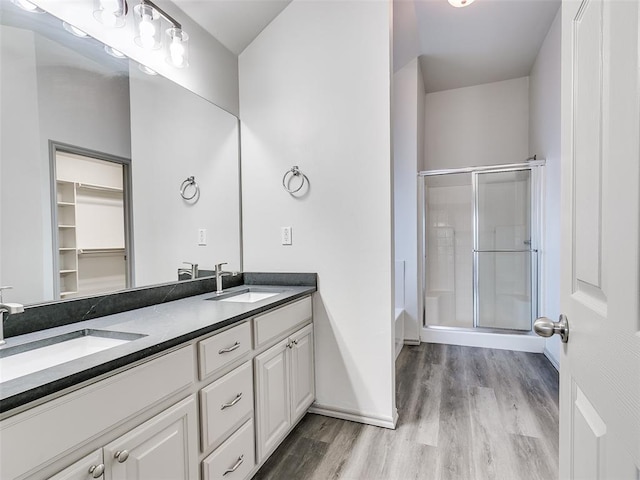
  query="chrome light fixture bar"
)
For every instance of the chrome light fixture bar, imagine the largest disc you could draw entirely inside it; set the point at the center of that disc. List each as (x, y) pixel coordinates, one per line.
(148, 17)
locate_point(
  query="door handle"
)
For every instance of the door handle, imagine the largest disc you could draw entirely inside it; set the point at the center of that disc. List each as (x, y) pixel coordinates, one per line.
(546, 327)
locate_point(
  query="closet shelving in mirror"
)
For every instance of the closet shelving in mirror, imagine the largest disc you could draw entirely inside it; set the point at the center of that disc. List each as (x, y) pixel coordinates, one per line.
(67, 238)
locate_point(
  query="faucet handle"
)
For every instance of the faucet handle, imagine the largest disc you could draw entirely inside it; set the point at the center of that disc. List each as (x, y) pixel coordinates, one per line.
(219, 266)
(8, 287)
(190, 264)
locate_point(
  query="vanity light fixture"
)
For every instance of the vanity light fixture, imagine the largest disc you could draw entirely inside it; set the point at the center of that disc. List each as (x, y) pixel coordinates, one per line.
(148, 17)
(74, 30)
(461, 3)
(147, 20)
(110, 13)
(27, 6)
(177, 47)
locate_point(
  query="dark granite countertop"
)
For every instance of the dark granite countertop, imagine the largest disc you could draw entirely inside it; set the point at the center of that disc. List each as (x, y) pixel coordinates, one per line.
(164, 325)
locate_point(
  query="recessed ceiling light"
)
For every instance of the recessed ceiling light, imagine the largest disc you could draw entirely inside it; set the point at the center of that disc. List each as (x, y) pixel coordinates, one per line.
(147, 70)
(113, 52)
(461, 3)
(74, 30)
(27, 6)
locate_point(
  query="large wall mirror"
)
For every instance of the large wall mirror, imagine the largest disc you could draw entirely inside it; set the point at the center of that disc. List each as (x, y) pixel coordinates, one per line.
(99, 163)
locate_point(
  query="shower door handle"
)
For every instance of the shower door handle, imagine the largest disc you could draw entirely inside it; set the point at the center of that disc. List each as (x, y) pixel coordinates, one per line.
(546, 327)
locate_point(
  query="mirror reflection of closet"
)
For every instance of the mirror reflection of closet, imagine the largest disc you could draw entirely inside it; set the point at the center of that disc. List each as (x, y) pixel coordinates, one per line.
(91, 222)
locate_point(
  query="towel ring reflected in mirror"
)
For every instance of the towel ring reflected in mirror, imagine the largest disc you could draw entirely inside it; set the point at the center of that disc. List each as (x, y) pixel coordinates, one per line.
(189, 189)
(289, 175)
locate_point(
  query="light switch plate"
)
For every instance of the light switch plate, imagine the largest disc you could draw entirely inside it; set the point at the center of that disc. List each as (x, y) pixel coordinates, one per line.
(286, 235)
(202, 237)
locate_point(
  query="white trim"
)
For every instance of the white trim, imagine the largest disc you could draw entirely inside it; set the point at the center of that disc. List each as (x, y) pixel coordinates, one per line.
(551, 358)
(408, 341)
(355, 416)
(503, 341)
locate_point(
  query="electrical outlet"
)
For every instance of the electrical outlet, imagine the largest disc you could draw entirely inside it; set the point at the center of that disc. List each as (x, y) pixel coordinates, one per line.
(202, 237)
(286, 235)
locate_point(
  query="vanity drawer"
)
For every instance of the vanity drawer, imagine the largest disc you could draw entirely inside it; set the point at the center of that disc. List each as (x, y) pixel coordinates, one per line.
(221, 349)
(272, 325)
(234, 459)
(225, 404)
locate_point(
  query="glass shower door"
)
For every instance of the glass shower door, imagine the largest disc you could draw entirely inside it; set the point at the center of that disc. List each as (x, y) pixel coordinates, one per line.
(504, 290)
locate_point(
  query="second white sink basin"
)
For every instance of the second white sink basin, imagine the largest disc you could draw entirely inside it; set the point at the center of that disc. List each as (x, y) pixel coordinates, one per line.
(248, 297)
(25, 359)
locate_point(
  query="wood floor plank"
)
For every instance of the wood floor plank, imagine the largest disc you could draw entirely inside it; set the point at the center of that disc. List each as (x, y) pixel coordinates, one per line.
(465, 413)
(517, 414)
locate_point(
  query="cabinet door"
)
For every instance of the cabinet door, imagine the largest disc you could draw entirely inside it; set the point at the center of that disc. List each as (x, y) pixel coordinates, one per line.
(86, 468)
(164, 447)
(272, 398)
(302, 372)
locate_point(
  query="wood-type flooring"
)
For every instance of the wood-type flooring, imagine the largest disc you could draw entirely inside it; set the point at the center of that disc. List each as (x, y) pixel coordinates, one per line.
(464, 413)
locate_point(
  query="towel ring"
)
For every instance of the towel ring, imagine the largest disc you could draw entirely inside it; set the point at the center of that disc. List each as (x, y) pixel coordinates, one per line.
(289, 174)
(189, 182)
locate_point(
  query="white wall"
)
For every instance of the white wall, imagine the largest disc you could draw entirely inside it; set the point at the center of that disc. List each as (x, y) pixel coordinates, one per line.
(204, 144)
(544, 138)
(315, 92)
(480, 125)
(212, 71)
(21, 229)
(408, 94)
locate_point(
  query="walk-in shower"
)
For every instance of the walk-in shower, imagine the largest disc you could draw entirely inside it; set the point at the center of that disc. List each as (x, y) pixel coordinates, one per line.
(480, 243)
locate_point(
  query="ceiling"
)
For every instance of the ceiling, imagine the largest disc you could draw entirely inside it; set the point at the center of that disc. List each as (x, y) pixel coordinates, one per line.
(235, 23)
(487, 41)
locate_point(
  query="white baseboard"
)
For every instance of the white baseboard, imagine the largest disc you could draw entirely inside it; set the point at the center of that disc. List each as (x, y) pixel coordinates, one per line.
(411, 342)
(355, 416)
(551, 359)
(502, 341)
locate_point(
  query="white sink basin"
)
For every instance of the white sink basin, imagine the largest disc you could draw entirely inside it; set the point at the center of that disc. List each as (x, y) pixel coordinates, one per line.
(25, 359)
(248, 297)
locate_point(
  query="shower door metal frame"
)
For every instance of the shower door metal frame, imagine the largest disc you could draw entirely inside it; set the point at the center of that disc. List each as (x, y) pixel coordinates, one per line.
(536, 180)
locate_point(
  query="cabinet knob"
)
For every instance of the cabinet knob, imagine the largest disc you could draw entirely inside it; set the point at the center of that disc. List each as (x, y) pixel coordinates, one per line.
(96, 471)
(121, 456)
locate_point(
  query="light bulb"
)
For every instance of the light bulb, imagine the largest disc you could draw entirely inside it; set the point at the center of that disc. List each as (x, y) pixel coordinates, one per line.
(110, 13)
(176, 50)
(147, 32)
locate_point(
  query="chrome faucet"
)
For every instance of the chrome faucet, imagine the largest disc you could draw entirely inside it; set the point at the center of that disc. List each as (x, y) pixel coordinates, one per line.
(192, 272)
(11, 309)
(219, 274)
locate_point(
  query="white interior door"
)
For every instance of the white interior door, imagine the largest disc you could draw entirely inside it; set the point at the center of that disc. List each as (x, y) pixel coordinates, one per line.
(600, 364)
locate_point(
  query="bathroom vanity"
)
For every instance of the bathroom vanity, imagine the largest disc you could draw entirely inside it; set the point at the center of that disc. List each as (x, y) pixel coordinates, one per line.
(201, 387)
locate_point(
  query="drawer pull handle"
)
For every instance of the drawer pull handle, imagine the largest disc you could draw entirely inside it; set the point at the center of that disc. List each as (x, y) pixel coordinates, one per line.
(232, 402)
(229, 349)
(236, 466)
(96, 471)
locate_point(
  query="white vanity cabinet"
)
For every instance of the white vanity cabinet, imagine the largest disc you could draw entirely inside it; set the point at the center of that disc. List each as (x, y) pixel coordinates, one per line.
(285, 388)
(196, 412)
(164, 447)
